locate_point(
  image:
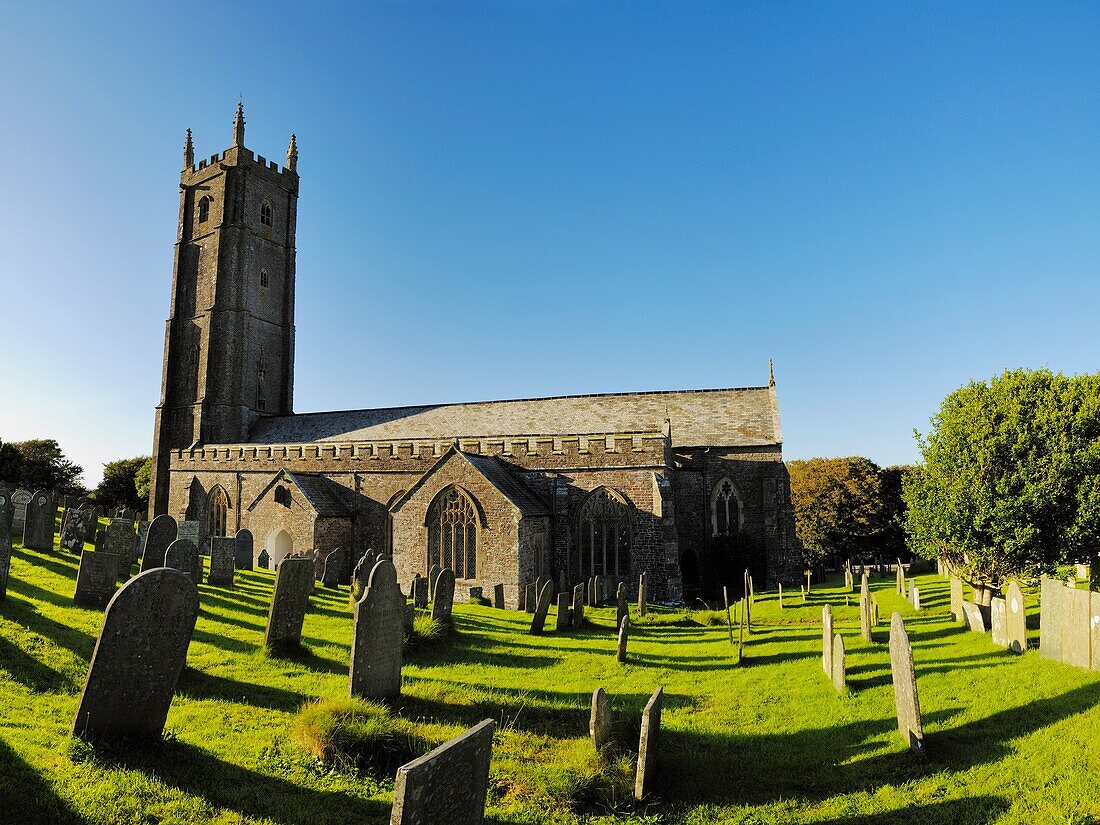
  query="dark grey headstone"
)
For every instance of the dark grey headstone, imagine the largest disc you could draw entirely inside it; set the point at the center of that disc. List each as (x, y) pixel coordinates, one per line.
(118, 538)
(648, 742)
(243, 550)
(379, 630)
(444, 596)
(141, 650)
(839, 675)
(162, 532)
(621, 608)
(564, 614)
(420, 592)
(223, 556)
(184, 556)
(498, 596)
(293, 583)
(19, 499)
(39, 524)
(542, 607)
(189, 531)
(7, 508)
(96, 579)
(448, 785)
(827, 640)
(334, 565)
(643, 593)
(1015, 618)
(5, 558)
(363, 567)
(599, 721)
(263, 560)
(577, 616)
(904, 677)
(433, 574)
(76, 529)
(624, 634)
(530, 597)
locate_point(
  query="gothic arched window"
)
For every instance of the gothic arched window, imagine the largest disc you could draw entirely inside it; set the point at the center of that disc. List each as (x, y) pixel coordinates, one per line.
(204, 208)
(452, 533)
(217, 512)
(263, 278)
(725, 509)
(603, 526)
(266, 214)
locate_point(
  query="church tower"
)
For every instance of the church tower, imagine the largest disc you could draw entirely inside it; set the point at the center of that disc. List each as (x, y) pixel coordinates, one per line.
(229, 341)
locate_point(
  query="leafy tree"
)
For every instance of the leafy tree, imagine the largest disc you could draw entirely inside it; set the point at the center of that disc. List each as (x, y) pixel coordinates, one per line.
(891, 540)
(143, 479)
(838, 506)
(11, 463)
(44, 467)
(1010, 479)
(119, 485)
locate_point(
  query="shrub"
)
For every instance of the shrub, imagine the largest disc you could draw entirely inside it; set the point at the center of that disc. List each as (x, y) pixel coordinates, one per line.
(603, 786)
(352, 734)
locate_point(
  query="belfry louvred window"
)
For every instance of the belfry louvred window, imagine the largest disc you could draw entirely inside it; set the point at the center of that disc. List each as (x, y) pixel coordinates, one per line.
(603, 526)
(452, 533)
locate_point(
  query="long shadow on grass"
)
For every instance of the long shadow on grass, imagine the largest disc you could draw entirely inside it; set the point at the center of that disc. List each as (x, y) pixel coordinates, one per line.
(28, 798)
(199, 685)
(974, 810)
(74, 640)
(31, 673)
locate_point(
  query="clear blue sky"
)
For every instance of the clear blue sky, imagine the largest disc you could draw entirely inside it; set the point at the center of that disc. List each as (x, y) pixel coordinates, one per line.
(518, 199)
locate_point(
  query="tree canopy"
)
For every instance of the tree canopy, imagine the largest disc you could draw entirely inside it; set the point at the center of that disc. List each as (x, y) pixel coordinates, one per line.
(39, 464)
(119, 487)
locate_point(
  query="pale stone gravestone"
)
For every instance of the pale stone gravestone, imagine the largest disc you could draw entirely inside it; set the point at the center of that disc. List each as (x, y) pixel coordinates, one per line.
(999, 622)
(19, 499)
(904, 677)
(647, 745)
(839, 676)
(379, 627)
(827, 640)
(420, 592)
(542, 607)
(141, 650)
(5, 558)
(621, 607)
(448, 785)
(564, 617)
(874, 610)
(285, 617)
(974, 620)
(433, 575)
(865, 617)
(96, 579)
(223, 553)
(599, 721)
(1015, 619)
(498, 596)
(189, 531)
(624, 633)
(244, 549)
(957, 599)
(38, 522)
(577, 615)
(864, 586)
(444, 595)
(184, 556)
(643, 593)
(530, 597)
(900, 579)
(334, 564)
(914, 596)
(162, 532)
(263, 560)
(76, 528)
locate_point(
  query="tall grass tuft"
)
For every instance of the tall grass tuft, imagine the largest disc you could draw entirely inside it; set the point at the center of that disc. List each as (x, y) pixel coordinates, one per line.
(351, 734)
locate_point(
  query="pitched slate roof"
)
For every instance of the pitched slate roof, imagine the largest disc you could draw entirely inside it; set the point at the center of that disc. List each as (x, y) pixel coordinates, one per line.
(496, 473)
(319, 494)
(747, 416)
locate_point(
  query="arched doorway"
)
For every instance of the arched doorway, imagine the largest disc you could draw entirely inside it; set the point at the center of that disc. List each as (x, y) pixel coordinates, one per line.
(279, 545)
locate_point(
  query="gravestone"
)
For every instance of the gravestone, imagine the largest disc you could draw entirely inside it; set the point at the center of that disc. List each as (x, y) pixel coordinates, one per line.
(648, 741)
(999, 622)
(76, 528)
(448, 785)
(865, 617)
(118, 538)
(914, 596)
(599, 721)
(874, 610)
(162, 532)
(5, 558)
(379, 629)
(780, 595)
(93, 525)
(223, 557)
(975, 622)
(96, 579)
(1015, 619)
(624, 633)
(621, 608)
(444, 596)
(285, 617)
(410, 616)
(904, 677)
(334, 564)
(498, 596)
(38, 525)
(865, 586)
(542, 607)
(361, 573)
(530, 597)
(7, 509)
(138, 657)
(189, 531)
(564, 616)
(957, 599)
(139, 543)
(643, 593)
(838, 675)
(433, 575)
(577, 615)
(19, 499)
(243, 550)
(900, 579)
(827, 640)
(475, 595)
(263, 560)
(420, 592)
(183, 555)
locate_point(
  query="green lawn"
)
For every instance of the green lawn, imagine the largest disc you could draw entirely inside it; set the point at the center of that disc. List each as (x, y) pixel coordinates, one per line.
(1009, 739)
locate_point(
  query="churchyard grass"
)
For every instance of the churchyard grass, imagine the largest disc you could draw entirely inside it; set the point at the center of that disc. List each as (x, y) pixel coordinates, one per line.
(767, 739)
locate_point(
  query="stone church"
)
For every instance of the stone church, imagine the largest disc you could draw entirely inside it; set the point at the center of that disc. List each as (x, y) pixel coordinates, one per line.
(689, 486)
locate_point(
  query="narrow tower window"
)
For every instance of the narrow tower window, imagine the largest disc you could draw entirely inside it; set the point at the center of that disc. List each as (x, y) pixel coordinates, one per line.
(265, 213)
(204, 209)
(263, 278)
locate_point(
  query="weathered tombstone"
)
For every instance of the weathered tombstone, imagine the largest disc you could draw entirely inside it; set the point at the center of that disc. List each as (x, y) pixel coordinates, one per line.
(118, 538)
(838, 675)
(827, 640)
(76, 528)
(7, 509)
(542, 607)
(243, 550)
(263, 560)
(530, 598)
(447, 785)
(19, 499)
(621, 608)
(999, 623)
(334, 564)
(293, 581)
(5, 558)
(647, 745)
(433, 575)
(223, 556)
(1015, 619)
(162, 532)
(865, 586)
(780, 595)
(624, 634)
(957, 599)
(564, 616)
(914, 596)
(475, 594)
(444, 596)
(974, 620)
(96, 579)
(138, 657)
(599, 721)
(184, 556)
(900, 579)
(93, 526)
(379, 626)
(865, 617)
(498, 596)
(577, 615)
(410, 616)
(38, 523)
(420, 592)
(361, 572)
(874, 610)
(189, 531)
(643, 593)
(904, 677)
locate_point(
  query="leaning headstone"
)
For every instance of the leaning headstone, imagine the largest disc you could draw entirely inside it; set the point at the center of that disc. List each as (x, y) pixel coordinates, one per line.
(184, 556)
(39, 522)
(138, 657)
(379, 627)
(1015, 619)
(827, 640)
(75, 529)
(96, 579)
(223, 556)
(433, 575)
(285, 617)
(904, 677)
(19, 499)
(957, 599)
(621, 608)
(244, 545)
(564, 617)
(999, 623)
(498, 596)
(974, 620)
(5, 558)
(838, 675)
(643, 593)
(444, 596)
(647, 745)
(542, 607)
(447, 785)
(162, 532)
(334, 564)
(624, 634)
(599, 721)
(420, 592)
(577, 615)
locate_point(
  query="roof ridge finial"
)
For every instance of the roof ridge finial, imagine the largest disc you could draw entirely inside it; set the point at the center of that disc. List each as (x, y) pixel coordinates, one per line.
(238, 124)
(188, 153)
(771, 374)
(292, 153)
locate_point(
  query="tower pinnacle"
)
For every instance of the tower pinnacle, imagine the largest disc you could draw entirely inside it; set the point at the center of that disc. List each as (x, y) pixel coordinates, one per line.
(238, 125)
(292, 153)
(188, 152)
(771, 374)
